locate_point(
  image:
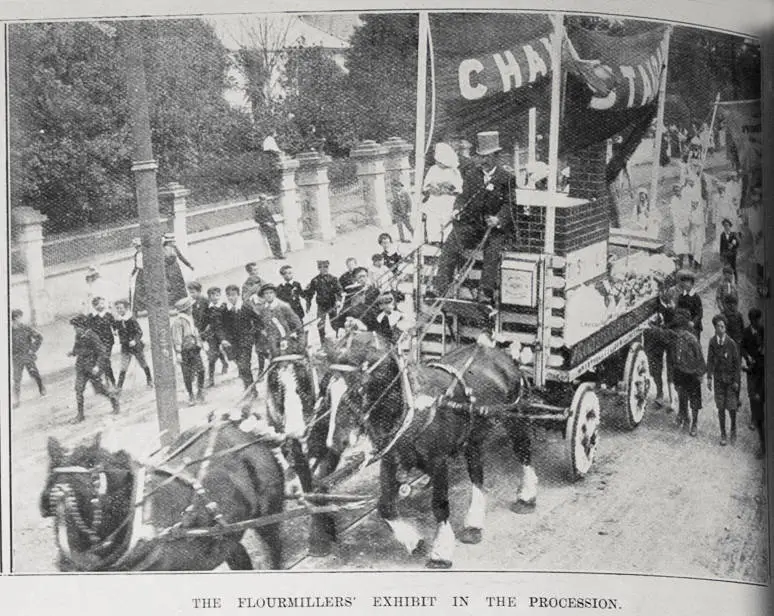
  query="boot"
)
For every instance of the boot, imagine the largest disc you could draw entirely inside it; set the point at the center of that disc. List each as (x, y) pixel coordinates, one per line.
(121, 378)
(695, 423)
(148, 378)
(114, 403)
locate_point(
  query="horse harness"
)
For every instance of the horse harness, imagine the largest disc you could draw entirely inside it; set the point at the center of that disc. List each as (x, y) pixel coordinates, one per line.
(139, 546)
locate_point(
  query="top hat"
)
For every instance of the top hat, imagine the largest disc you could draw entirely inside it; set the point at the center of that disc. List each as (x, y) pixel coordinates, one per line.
(488, 142)
(686, 274)
(184, 304)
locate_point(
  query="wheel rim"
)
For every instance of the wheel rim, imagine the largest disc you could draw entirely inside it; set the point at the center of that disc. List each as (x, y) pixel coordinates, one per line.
(639, 386)
(586, 434)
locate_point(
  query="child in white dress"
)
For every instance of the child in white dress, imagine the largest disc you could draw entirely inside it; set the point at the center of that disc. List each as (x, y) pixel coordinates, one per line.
(442, 184)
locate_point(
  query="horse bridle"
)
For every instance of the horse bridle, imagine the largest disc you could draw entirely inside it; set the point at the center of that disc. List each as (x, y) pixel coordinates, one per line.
(62, 498)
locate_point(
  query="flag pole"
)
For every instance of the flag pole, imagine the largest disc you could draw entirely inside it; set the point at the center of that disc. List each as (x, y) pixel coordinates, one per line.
(544, 320)
(705, 145)
(659, 123)
(419, 154)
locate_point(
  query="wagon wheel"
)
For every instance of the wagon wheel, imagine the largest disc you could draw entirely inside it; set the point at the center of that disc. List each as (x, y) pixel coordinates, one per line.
(583, 429)
(636, 385)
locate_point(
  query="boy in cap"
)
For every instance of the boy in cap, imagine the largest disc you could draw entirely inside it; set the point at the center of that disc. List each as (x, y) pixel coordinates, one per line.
(726, 288)
(199, 310)
(90, 362)
(364, 303)
(390, 254)
(724, 371)
(690, 301)
(401, 208)
(25, 343)
(688, 366)
(729, 246)
(102, 323)
(187, 342)
(290, 291)
(284, 330)
(253, 282)
(327, 291)
(213, 334)
(239, 322)
(130, 338)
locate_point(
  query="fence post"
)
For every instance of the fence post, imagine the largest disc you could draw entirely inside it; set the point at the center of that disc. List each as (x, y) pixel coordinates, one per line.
(312, 178)
(397, 164)
(30, 240)
(291, 212)
(369, 157)
(178, 192)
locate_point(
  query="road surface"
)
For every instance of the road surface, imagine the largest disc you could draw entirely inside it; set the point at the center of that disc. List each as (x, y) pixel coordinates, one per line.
(656, 500)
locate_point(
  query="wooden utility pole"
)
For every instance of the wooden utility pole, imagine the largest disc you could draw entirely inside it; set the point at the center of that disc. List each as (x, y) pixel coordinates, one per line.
(144, 169)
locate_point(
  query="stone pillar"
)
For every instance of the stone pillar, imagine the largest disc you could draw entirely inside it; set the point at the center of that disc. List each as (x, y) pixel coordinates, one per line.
(291, 212)
(312, 180)
(369, 157)
(29, 237)
(178, 192)
(397, 164)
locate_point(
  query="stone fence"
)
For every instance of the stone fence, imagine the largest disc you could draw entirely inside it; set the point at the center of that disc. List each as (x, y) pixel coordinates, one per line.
(48, 275)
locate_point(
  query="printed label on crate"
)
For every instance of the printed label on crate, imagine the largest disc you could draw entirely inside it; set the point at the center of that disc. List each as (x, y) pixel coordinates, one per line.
(519, 283)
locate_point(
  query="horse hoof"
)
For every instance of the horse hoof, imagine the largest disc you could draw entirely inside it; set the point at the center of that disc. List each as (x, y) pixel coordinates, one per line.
(438, 564)
(420, 549)
(471, 535)
(524, 507)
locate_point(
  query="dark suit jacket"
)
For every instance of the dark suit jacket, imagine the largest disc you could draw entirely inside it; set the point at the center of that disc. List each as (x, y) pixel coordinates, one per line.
(723, 361)
(480, 199)
(692, 303)
(729, 244)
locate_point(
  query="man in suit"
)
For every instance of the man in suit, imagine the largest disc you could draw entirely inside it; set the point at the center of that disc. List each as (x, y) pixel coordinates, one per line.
(485, 203)
(326, 290)
(238, 322)
(729, 246)
(724, 370)
(290, 291)
(284, 330)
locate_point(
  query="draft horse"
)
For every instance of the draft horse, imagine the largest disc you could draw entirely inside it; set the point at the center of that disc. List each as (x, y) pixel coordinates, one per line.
(113, 513)
(419, 416)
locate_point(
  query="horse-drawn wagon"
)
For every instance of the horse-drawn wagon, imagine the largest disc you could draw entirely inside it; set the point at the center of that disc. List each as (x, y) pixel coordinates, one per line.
(578, 314)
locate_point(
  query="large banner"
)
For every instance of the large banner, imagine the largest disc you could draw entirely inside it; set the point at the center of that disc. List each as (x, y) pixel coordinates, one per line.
(490, 68)
(743, 122)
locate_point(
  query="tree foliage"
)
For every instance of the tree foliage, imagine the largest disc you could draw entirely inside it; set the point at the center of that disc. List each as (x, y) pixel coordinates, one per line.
(69, 133)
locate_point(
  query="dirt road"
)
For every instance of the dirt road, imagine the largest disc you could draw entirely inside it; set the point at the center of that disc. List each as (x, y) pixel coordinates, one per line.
(656, 500)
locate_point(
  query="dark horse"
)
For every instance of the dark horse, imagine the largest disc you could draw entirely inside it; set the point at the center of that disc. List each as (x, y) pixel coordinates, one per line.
(115, 514)
(419, 416)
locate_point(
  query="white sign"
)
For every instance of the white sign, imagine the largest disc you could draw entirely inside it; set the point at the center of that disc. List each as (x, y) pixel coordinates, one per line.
(585, 264)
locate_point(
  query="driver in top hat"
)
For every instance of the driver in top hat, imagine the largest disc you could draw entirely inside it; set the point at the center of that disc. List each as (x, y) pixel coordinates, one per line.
(488, 200)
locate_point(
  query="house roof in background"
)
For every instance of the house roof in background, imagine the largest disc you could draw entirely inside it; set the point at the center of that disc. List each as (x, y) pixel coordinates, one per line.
(236, 31)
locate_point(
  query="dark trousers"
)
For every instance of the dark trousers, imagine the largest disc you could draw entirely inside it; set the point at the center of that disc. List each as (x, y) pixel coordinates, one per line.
(688, 389)
(402, 220)
(729, 258)
(81, 378)
(461, 239)
(272, 237)
(214, 353)
(126, 358)
(656, 352)
(108, 366)
(726, 399)
(191, 366)
(497, 243)
(19, 365)
(755, 392)
(243, 357)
